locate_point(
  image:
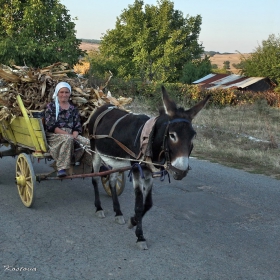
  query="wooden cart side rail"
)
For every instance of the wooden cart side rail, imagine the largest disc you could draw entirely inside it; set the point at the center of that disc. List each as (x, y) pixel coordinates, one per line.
(18, 134)
(7, 132)
(28, 124)
(44, 138)
(26, 132)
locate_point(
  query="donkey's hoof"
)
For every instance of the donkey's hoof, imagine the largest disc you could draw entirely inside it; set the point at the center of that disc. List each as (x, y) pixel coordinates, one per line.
(142, 245)
(100, 214)
(119, 220)
(129, 224)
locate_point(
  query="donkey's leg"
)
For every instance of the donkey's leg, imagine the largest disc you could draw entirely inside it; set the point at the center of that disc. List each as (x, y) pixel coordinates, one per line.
(95, 168)
(148, 204)
(143, 202)
(116, 205)
(99, 210)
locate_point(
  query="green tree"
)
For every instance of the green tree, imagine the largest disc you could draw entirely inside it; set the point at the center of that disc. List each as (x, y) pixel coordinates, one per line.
(220, 71)
(152, 42)
(37, 33)
(264, 61)
(239, 65)
(99, 65)
(196, 69)
(226, 64)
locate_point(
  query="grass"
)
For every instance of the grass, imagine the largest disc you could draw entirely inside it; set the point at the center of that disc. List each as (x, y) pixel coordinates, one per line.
(245, 137)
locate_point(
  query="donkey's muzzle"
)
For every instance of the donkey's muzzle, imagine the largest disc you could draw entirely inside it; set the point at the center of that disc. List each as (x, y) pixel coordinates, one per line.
(178, 174)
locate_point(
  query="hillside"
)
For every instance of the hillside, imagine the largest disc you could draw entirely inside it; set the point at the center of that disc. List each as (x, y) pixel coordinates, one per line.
(88, 46)
(233, 58)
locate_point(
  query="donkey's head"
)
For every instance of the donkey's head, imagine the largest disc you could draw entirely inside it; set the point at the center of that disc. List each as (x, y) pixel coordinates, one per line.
(176, 123)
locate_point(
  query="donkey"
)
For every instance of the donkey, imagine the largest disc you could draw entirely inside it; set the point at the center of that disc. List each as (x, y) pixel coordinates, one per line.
(152, 146)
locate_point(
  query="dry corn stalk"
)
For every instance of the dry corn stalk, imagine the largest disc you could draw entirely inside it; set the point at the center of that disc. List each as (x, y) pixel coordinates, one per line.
(36, 88)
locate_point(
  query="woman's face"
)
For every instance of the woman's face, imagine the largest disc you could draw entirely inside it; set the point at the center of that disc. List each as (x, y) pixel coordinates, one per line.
(63, 94)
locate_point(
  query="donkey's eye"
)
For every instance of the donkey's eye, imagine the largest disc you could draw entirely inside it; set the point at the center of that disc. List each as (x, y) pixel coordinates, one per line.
(172, 136)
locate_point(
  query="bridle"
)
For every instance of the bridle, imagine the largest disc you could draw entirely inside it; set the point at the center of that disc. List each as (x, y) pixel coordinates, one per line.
(166, 150)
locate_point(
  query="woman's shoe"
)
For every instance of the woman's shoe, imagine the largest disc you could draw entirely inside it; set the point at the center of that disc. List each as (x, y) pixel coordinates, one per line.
(61, 173)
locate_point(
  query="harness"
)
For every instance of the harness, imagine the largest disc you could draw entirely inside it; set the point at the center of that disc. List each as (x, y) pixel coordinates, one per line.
(146, 144)
(94, 136)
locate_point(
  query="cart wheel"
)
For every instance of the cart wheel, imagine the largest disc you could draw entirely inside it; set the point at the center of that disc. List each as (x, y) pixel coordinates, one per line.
(25, 179)
(119, 185)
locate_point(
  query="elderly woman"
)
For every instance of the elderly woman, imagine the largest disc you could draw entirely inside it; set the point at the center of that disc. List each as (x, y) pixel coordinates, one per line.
(63, 128)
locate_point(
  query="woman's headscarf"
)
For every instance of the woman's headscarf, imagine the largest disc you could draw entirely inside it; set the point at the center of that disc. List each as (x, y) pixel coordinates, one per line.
(58, 87)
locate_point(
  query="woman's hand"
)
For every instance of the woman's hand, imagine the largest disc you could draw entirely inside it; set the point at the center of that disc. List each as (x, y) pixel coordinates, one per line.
(60, 131)
(75, 134)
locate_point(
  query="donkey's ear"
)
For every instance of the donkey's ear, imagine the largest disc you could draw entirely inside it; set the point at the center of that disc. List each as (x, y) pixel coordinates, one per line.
(169, 105)
(192, 112)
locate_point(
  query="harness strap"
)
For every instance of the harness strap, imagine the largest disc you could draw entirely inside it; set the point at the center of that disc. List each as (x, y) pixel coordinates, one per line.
(100, 117)
(111, 131)
(118, 142)
(115, 124)
(147, 136)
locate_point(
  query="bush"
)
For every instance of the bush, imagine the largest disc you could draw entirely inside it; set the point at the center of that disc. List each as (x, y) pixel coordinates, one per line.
(183, 94)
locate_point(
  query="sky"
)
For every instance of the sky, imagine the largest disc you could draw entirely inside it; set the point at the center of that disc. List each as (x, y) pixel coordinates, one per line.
(227, 25)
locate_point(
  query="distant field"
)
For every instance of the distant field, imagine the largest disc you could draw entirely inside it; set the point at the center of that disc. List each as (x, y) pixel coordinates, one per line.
(88, 46)
(218, 59)
(233, 58)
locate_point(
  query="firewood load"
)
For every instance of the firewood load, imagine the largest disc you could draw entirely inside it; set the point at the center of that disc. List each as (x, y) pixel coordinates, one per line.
(36, 88)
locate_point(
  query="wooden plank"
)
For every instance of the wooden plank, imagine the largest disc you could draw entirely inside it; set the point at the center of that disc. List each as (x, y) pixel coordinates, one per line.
(17, 133)
(24, 131)
(20, 129)
(36, 123)
(26, 141)
(20, 122)
(7, 131)
(42, 144)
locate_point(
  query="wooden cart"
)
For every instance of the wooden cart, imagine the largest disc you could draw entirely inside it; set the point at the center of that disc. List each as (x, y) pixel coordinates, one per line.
(26, 139)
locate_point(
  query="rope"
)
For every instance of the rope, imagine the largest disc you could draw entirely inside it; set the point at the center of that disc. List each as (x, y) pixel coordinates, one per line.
(89, 151)
(140, 170)
(162, 173)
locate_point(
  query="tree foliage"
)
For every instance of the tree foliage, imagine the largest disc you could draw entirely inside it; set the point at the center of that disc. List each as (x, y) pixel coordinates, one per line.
(152, 42)
(226, 64)
(211, 53)
(37, 33)
(196, 69)
(264, 61)
(239, 65)
(99, 65)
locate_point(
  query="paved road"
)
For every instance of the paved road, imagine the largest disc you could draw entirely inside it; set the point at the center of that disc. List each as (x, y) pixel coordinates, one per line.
(218, 223)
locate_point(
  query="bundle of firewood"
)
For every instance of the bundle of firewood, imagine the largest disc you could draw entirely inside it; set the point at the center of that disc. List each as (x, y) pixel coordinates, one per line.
(36, 88)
